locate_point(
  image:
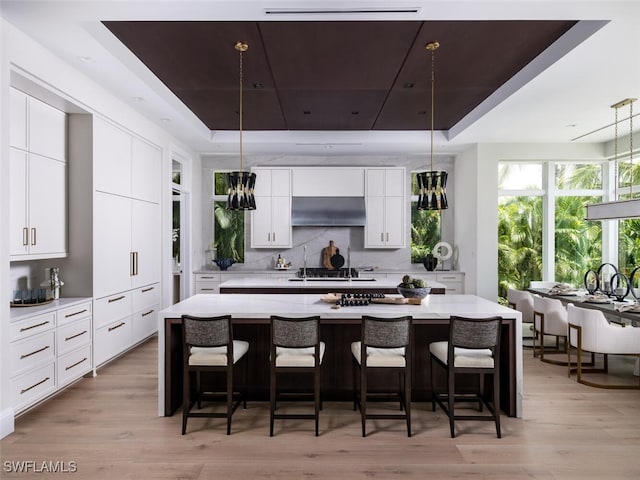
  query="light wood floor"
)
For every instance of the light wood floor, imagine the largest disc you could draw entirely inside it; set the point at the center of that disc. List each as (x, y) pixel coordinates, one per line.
(109, 427)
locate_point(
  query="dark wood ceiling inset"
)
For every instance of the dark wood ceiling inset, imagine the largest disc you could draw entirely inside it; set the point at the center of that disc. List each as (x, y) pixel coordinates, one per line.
(336, 75)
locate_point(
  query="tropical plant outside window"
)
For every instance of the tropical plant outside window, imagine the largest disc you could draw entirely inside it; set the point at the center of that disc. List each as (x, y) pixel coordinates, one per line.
(521, 222)
(425, 227)
(228, 225)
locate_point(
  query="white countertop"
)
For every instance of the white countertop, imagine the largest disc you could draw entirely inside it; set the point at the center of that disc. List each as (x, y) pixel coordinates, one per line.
(355, 284)
(20, 313)
(262, 305)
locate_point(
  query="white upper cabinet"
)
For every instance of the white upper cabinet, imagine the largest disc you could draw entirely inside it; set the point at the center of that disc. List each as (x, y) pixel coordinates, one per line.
(18, 119)
(271, 221)
(327, 182)
(124, 164)
(146, 161)
(272, 182)
(38, 179)
(385, 204)
(47, 130)
(111, 158)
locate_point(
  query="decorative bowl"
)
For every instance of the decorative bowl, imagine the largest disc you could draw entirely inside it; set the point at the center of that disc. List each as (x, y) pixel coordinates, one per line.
(224, 263)
(414, 292)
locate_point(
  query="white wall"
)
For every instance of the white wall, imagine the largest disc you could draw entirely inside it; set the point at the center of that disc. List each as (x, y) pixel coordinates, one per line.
(31, 60)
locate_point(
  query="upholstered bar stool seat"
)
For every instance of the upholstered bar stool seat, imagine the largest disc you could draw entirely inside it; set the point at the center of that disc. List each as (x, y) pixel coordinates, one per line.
(463, 357)
(217, 356)
(298, 357)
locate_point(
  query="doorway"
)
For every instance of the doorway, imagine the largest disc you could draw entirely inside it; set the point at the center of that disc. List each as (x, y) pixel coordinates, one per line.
(179, 234)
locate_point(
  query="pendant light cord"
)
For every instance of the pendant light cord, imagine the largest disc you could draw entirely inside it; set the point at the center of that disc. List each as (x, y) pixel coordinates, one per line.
(241, 47)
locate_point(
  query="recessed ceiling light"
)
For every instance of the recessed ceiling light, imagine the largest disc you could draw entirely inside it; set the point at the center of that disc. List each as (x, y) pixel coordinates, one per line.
(409, 85)
(307, 112)
(165, 120)
(258, 86)
(137, 99)
(85, 59)
(355, 112)
(571, 125)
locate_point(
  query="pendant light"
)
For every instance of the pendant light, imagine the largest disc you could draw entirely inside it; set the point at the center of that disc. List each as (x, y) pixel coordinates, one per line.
(619, 209)
(240, 184)
(432, 185)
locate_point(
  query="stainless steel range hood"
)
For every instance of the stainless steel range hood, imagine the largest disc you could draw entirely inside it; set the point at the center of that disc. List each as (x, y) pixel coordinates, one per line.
(328, 211)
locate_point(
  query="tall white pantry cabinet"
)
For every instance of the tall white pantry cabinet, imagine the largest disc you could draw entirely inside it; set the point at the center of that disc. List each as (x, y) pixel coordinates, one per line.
(126, 239)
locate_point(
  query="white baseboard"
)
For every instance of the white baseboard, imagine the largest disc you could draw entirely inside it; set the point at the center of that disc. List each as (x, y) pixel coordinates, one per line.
(7, 424)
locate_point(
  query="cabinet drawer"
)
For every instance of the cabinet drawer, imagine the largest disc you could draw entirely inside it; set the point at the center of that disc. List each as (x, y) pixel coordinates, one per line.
(144, 297)
(111, 308)
(73, 335)
(32, 326)
(207, 287)
(73, 365)
(454, 288)
(71, 314)
(112, 340)
(145, 323)
(207, 277)
(449, 277)
(27, 389)
(31, 352)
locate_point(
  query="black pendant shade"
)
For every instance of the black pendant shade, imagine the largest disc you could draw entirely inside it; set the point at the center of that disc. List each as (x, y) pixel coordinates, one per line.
(240, 191)
(432, 190)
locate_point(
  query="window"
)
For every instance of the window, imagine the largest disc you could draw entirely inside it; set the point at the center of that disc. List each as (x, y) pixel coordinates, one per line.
(228, 225)
(539, 201)
(425, 227)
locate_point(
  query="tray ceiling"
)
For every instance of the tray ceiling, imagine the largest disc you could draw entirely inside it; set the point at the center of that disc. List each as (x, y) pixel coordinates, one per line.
(351, 75)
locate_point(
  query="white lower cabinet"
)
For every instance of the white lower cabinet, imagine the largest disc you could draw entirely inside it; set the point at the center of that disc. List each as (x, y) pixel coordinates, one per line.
(123, 320)
(208, 282)
(49, 350)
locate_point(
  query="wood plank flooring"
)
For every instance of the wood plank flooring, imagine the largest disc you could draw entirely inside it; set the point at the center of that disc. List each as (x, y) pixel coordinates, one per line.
(109, 427)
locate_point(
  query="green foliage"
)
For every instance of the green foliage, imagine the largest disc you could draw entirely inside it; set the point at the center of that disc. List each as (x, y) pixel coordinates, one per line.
(229, 232)
(425, 232)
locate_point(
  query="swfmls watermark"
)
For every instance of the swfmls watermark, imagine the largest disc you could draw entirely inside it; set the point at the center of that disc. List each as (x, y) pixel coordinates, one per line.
(36, 466)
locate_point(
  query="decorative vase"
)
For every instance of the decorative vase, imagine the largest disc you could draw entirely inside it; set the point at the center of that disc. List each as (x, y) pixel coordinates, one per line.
(224, 263)
(430, 262)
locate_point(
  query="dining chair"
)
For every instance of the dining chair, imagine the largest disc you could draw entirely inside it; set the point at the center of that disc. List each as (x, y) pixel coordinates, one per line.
(295, 348)
(590, 331)
(208, 347)
(385, 345)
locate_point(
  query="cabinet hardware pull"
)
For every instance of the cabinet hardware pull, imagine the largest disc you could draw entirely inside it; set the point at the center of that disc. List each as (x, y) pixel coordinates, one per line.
(117, 326)
(269, 237)
(207, 289)
(75, 364)
(131, 264)
(25, 390)
(116, 299)
(75, 313)
(206, 278)
(148, 313)
(135, 255)
(74, 336)
(33, 237)
(25, 236)
(24, 329)
(145, 290)
(22, 357)
(382, 236)
(387, 236)
(274, 236)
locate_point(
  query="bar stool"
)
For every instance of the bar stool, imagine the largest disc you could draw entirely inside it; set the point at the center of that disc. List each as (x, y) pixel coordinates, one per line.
(385, 345)
(295, 347)
(473, 348)
(208, 347)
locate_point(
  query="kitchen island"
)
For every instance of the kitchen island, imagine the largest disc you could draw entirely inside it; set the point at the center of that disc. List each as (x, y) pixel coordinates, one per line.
(317, 285)
(339, 327)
